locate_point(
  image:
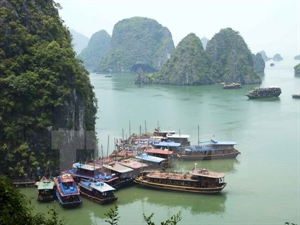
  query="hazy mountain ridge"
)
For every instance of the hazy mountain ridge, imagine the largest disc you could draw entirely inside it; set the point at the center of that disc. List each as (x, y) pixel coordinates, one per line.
(79, 41)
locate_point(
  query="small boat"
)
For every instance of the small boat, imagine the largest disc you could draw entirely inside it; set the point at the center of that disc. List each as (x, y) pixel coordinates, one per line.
(209, 150)
(232, 86)
(96, 191)
(199, 181)
(296, 95)
(162, 153)
(108, 75)
(67, 191)
(268, 92)
(46, 190)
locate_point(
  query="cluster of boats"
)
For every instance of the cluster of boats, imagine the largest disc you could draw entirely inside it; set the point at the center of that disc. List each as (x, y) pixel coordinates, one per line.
(140, 160)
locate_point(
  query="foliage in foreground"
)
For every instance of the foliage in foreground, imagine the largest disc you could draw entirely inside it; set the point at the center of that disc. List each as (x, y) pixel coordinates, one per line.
(113, 215)
(16, 209)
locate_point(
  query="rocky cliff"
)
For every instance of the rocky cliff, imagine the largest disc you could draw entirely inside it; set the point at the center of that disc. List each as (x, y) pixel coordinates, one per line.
(297, 69)
(264, 56)
(137, 42)
(98, 46)
(231, 59)
(44, 88)
(79, 41)
(259, 63)
(189, 65)
(277, 57)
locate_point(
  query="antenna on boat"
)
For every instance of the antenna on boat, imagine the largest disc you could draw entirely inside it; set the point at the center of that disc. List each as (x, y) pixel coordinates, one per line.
(107, 145)
(145, 127)
(195, 166)
(198, 136)
(102, 154)
(129, 130)
(123, 134)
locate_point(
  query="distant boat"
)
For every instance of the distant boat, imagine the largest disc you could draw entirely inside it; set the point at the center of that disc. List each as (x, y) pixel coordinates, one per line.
(162, 153)
(96, 191)
(267, 92)
(296, 95)
(232, 86)
(153, 162)
(67, 191)
(108, 75)
(272, 64)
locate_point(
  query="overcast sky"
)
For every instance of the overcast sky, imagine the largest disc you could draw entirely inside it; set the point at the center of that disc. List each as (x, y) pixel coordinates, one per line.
(272, 26)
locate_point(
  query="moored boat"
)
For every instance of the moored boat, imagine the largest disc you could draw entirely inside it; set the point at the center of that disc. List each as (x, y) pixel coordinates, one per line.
(209, 150)
(199, 181)
(67, 191)
(296, 95)
(97, 191)
(46, 190)
(162, 153)
(267, 92)
(153, 162)
(90, 172)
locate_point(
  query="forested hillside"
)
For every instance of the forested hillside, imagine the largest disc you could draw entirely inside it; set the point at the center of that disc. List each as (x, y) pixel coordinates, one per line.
(44, 88)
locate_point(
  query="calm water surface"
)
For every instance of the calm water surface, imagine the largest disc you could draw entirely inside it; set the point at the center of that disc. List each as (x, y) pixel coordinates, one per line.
(263, 182)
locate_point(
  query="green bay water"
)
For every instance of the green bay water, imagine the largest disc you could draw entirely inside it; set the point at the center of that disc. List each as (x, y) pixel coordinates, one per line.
(262, 182)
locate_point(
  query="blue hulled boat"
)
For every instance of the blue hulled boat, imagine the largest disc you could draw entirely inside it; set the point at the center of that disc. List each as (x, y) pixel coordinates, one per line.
(67, 191)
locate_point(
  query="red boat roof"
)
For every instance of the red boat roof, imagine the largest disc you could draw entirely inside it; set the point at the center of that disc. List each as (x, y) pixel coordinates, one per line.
(159, 151)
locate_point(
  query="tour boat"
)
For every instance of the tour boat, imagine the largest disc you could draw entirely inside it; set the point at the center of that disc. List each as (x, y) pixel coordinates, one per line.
(97, 191)
(200, 181)
(209, 150)
(46, 190)
(67, 191)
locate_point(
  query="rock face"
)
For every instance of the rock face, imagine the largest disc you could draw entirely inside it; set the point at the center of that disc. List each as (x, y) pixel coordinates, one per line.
(137, 40)
(44, 89)
(98, 46)
(204, 41)
(297, 69)
(259, 63)
(264, 56)
(189, 65)
(231, 59)
(79, 41)
(297, 57)
(277, 57)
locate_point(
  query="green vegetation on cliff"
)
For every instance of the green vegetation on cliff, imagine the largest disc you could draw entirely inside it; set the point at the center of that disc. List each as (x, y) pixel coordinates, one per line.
(98, 46)
(137, 40)
(231, 59)
(189, 65)
(43, 86)
(297, 69)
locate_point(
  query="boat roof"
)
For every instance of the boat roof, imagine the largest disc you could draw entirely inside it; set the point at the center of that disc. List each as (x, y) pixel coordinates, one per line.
(178, 136)
(88, 167)
(150, 158)
(165, 131)
(46, 184)
(66, 178)
(132, 164)
(99, 186)
(207, 173)
(118, 168)
(159, 151)
(166, 144)
(216, 142)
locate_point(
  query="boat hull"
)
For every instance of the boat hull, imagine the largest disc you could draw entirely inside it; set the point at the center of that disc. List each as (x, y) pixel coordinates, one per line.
(212, 190)
(183, 157)
(263, 96)
(65, 204)
(99, 200)
(48, 198)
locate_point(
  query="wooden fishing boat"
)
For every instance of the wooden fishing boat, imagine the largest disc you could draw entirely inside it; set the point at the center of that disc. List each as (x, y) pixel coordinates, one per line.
(296, 95)
(46, 190)
(209, 150)
(67, 191)
(98, 192)
(199, 181)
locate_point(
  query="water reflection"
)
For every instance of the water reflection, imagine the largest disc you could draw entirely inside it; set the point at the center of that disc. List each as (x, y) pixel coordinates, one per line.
(222, 165)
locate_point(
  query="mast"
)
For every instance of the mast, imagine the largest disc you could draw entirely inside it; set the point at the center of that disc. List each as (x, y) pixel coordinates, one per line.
(198, 136)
